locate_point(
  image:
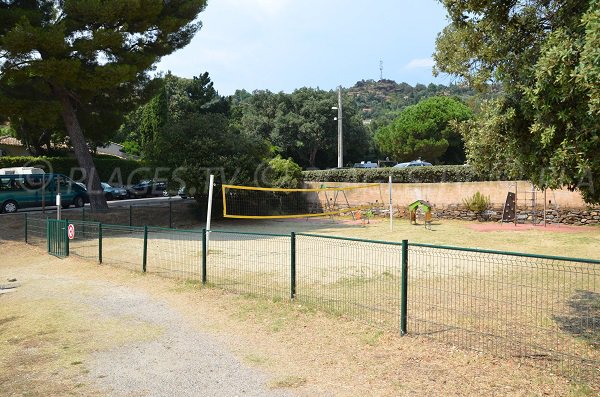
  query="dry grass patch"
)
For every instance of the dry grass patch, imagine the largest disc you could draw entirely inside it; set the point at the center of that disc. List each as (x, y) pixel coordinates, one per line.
(315, 353)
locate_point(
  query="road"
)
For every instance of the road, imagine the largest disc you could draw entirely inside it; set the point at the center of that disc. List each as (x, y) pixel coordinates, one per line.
(112, 204)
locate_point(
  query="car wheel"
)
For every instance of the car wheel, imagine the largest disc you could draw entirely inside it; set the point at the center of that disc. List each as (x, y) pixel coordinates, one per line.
(78, 202)
(9, 207)
(109, 196)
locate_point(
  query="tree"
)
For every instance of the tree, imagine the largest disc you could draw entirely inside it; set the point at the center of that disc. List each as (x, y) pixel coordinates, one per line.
(187, 127)
(86, 59)
(545, 55)
(426, 130)
(301, 125)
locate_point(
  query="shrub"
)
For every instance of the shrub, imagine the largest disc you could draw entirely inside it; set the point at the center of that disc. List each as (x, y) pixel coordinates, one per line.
(113, 169)
(433, 174)
(477, 202)
(282, 173)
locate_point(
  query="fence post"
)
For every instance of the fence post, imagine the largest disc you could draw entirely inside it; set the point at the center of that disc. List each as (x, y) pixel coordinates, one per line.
(66, 236)
(26, 216)
(204, 256)
(100, 242)
(404, 295)
(48, 233)
(130, 214)
(145, 257)
(83, 213)
(170, 214)
(293, 266)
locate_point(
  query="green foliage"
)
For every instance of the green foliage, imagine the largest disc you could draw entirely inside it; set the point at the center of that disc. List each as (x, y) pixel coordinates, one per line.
(282, 173)
(75, 67)
(132, 147)
(382, 100)
(546, 124)
(204, 143)
(113, 170)
(426, 130)
(477, 202)
(301, 124)
(176, 99)
(434, 174)
(7, 130)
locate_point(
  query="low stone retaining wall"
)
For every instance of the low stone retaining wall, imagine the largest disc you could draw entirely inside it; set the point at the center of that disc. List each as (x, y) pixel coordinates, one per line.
(567, 216)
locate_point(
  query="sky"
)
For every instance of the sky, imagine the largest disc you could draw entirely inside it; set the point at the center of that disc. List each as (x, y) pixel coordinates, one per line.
(281, 45)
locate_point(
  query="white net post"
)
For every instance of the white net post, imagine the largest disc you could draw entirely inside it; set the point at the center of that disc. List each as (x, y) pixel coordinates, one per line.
(209, 209)
(391, 205)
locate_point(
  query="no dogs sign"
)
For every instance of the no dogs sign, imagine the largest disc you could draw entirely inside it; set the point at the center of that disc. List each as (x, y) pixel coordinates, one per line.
(71, 231)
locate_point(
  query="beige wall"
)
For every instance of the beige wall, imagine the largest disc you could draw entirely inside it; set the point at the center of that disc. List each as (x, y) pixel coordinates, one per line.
(445, 194)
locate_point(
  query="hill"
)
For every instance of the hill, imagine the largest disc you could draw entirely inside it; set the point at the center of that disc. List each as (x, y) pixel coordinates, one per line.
(377, 99)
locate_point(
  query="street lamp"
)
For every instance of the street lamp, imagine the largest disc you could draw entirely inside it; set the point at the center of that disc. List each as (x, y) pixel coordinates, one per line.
(340, 136)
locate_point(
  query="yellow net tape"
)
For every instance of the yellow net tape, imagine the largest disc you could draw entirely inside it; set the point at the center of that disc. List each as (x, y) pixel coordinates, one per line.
(326, 211)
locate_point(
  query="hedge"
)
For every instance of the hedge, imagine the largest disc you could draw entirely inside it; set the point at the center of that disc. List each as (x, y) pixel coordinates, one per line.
(114, 170)
(433, 174)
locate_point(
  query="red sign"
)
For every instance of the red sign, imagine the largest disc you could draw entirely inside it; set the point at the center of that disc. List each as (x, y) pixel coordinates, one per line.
(71, 232)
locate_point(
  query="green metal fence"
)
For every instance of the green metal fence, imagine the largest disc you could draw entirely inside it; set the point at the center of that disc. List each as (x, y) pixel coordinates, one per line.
(58, 241)
(540, 309)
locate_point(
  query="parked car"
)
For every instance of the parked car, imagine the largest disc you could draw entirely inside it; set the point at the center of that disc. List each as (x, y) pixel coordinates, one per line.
(112, 193)
(365, 164)
(414, 163)
(183, 192)
(19, 191)
(147, 188)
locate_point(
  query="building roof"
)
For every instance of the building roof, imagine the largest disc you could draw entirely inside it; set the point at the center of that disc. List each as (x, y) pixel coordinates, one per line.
(10, 141)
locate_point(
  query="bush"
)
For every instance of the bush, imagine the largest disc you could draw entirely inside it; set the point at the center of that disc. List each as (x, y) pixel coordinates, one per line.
(477, 202)
(283, 173)
(113, 169)
(433, 174)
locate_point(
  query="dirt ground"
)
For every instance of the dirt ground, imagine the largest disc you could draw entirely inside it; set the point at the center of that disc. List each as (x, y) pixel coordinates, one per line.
(61, 333)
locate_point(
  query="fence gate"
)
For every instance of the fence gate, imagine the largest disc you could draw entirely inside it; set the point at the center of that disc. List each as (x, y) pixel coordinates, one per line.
(58, 240)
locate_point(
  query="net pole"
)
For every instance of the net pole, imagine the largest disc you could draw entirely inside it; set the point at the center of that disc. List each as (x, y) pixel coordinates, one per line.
(209, 209)
(391, 205)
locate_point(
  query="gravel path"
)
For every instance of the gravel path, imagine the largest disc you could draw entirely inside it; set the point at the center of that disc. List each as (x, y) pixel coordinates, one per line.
(181, 362)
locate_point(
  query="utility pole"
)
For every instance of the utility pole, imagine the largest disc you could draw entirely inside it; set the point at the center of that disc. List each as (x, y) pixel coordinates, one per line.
(340, 135)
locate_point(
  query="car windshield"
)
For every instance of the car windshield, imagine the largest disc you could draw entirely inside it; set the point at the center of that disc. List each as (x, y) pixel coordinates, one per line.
(105, 185)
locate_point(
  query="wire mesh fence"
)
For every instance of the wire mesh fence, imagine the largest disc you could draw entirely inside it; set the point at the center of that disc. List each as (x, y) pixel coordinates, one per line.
(175, 253)
(35, 231)
(85, 240)
(175, 213)
(250, 263)
(123, 246)
(539, 309)
(356, 278)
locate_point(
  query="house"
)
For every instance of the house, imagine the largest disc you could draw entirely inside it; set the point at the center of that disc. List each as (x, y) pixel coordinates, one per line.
(10, 146)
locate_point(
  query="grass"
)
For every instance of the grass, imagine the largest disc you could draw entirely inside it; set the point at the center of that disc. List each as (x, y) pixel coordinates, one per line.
(301, 348)
(582, 244)
(288, 382)
(48, 341)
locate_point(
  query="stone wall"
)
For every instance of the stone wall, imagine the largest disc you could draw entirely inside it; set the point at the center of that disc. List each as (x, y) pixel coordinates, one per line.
(563, 206)
(568, 216)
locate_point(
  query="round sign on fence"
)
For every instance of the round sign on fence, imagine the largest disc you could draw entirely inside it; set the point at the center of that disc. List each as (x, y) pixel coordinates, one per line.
(71, 232)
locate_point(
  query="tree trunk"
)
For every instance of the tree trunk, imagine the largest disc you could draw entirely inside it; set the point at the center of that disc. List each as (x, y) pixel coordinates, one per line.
(82, 152)
(312, 157)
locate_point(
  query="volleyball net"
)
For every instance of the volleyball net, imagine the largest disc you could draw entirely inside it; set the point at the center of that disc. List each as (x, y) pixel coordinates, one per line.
(247, 202)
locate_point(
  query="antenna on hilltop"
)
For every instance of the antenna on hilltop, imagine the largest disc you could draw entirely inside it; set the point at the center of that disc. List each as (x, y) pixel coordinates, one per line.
(380, 69)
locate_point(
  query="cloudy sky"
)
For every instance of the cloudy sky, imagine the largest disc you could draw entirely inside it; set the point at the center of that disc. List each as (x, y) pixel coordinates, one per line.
(281, 45)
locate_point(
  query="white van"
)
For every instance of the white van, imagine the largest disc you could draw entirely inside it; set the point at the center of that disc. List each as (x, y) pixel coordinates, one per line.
(21, 171)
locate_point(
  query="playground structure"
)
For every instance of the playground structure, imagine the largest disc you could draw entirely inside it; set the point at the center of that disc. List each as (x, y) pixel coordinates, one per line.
(424, 207)
(529, 200)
